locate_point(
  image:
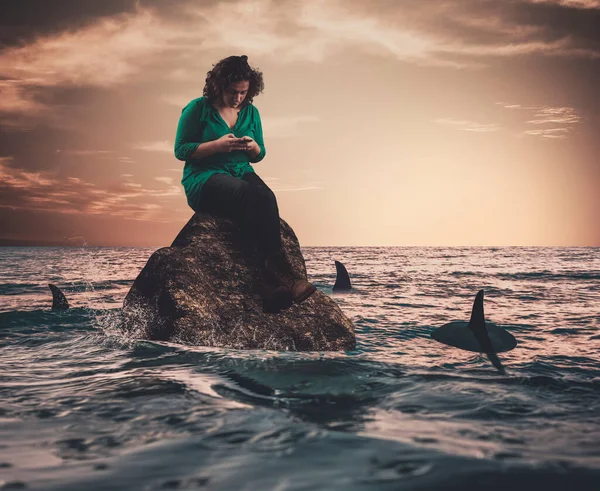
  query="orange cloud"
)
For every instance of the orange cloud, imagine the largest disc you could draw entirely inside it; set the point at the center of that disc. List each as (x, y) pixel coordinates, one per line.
(116, 50)
(469, 125)
(38, 191)
(548, 115)
(583, 4)
(164, 146)
(103, 54)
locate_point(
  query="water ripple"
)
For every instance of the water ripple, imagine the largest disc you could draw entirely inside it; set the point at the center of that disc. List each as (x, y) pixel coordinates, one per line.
(81, 406)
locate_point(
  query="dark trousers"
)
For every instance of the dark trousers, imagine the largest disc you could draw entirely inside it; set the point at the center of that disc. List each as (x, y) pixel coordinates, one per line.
(249, 202)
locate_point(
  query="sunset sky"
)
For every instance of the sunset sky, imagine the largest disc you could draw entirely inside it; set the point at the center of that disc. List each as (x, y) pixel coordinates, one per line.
(409, 122)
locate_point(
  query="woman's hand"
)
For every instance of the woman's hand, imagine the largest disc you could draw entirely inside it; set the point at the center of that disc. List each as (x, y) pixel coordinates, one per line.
(229, 143)
(251, 146)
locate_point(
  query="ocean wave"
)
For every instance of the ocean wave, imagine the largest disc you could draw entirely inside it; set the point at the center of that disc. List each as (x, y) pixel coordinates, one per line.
(89, 407)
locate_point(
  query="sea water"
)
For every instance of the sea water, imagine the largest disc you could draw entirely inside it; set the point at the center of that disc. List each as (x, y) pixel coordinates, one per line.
(83, 407)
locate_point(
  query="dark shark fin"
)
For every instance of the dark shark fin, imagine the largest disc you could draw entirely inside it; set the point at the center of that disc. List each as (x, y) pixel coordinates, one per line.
(477, 315)
(59, 301)
(342, 279)
(477, 335)
(477, 325)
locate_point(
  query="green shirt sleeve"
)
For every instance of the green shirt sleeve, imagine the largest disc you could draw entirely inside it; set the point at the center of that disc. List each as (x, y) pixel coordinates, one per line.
(188, 129)
(258, 137)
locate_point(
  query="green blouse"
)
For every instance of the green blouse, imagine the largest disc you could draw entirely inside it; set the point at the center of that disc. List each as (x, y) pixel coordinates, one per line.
(201, 122)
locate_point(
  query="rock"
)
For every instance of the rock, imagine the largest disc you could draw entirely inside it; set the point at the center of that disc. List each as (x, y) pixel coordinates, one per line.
(204, 291)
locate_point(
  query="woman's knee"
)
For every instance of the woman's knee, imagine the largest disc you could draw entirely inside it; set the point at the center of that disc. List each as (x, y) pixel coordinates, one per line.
(265, 196)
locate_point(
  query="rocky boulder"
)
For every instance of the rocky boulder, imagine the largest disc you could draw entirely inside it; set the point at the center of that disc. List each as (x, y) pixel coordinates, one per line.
(204, 290)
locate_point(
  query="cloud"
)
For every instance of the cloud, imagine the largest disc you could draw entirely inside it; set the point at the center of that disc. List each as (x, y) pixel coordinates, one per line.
(103, 54)
(411, 31)
(297, 188)
(506, 105)
(560, 46)
(547, 116)
(20, 180)
(582, 4)
(43, 191)
(84, 153)
(25, 20)
(14, 97)
(559, 133)
(287, 32)
(156, 146)
(277, 186)
(468, 125)
(551, 115)
(120, 49)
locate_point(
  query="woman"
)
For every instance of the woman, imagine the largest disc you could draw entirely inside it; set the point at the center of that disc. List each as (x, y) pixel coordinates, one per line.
(218, 136)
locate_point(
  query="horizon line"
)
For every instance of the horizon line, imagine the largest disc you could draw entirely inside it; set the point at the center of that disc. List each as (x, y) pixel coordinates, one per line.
(57, 244)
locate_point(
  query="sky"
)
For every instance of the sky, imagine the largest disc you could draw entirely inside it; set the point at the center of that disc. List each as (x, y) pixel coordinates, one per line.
(408, 122)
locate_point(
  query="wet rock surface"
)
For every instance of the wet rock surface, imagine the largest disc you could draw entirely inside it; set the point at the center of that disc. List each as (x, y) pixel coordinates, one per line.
(205, 289)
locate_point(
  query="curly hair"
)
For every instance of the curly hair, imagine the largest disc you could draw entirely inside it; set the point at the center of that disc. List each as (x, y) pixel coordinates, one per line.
(230, 70)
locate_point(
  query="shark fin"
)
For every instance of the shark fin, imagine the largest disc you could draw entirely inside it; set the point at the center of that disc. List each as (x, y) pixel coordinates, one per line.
(342, 279)
(477, 325)
(59, 301)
